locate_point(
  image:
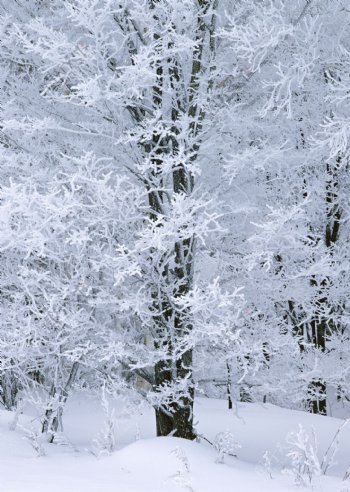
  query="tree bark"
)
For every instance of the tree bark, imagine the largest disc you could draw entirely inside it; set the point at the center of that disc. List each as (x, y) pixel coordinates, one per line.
(319, 325)
(172, 325)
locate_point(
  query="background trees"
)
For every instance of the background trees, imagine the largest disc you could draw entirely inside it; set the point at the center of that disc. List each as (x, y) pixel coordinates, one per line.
(297, 251)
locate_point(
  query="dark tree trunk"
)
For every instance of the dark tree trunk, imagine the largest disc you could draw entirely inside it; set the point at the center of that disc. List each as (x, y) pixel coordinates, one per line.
(320, 326)
(164, 423)
(229, 385)
(172, 326)
(318, 388)
(318, 403)
(9, 389)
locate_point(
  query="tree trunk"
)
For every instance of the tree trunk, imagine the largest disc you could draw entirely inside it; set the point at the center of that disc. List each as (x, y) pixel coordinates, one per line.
(177, 419)
(175, 277)
(318, 388)
(9, 390)
(320, 325)
(53, 416)
(229, 387)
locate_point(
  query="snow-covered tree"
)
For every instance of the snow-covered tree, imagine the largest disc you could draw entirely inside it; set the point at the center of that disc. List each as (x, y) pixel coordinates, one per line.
(131, 82)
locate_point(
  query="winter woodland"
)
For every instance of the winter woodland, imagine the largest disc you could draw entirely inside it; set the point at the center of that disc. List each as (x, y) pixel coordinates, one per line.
(174, 205)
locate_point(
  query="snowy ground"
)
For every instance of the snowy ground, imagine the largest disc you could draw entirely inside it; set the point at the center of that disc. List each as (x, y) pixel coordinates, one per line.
(150, 464)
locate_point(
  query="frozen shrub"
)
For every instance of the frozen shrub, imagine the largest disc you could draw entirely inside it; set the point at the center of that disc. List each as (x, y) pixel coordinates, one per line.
(105, 443)
(225, 444)
(302, 452)
(34, 439)
(182, 476)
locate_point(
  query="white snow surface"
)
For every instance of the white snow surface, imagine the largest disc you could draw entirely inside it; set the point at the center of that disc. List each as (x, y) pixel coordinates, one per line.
(168, 464)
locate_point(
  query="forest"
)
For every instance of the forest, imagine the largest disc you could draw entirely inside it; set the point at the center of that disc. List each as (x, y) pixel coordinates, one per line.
(174, 245)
